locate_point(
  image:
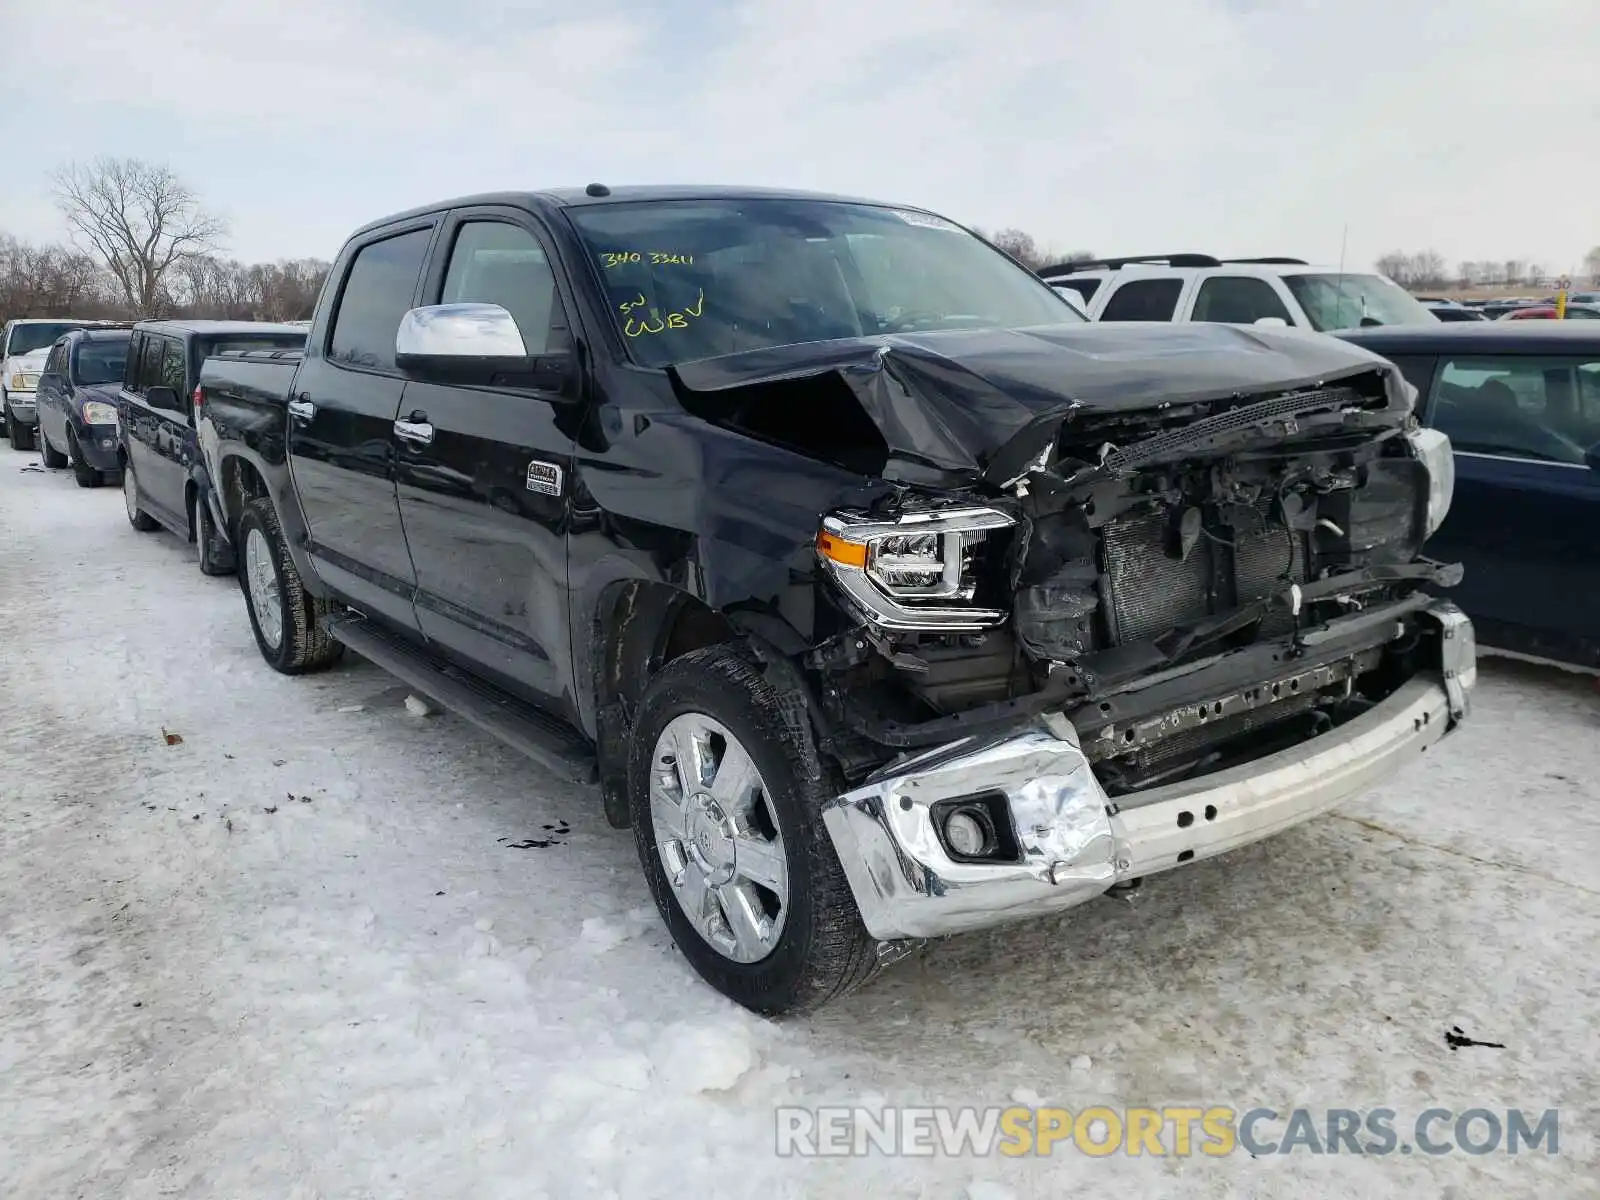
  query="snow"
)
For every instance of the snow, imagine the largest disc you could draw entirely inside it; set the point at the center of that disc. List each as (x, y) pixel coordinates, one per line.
(320, 948)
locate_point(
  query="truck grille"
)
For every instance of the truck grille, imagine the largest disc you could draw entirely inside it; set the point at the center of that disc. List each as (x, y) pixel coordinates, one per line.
(1149, 592)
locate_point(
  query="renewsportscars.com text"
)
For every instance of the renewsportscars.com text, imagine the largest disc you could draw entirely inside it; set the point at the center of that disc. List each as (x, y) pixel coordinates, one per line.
(1175, 1131)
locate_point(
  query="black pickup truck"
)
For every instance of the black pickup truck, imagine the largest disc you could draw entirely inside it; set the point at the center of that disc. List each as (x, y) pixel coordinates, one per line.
(882, 595)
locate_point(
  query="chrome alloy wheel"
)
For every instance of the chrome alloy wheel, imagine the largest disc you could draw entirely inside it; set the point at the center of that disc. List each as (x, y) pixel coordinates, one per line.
(718, 838)
(262, 575)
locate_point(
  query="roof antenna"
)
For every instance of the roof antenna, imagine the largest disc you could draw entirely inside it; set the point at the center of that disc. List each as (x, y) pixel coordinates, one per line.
(597, 189)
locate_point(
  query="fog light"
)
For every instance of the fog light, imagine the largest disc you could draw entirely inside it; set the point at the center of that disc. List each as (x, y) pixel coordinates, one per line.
(967, 832)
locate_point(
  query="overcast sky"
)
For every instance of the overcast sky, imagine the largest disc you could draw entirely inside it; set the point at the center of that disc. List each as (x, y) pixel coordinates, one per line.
(1120, 126)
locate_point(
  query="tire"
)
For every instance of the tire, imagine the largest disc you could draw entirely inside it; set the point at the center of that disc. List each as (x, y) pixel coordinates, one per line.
(819, 949)
(277, 600)
(21, 436)
(215, 556)
(86, 476)
(137, 517)
(53, 458)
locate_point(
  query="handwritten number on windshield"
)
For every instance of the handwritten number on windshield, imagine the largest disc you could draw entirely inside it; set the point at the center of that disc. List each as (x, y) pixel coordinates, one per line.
(652, 321)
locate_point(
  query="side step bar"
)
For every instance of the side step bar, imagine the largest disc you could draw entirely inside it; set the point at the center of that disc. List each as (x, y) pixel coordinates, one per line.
(547, 740)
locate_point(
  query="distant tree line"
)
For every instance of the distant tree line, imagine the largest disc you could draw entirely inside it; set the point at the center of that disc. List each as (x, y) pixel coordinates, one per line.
(144, 246)
(1427, 269)
(1022, 247)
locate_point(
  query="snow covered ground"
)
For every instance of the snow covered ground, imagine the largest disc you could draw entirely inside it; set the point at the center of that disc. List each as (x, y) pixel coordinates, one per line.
(324, 947)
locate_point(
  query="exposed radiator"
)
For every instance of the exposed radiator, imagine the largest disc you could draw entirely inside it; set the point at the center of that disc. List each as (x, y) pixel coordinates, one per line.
(1150, 592)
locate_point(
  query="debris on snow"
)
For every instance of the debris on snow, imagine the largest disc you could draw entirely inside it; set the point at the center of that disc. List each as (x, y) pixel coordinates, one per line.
(703, 1058)
(173, 739)
(1455, 1039)
(352, 708)
(418, 707)
(1081, 1062)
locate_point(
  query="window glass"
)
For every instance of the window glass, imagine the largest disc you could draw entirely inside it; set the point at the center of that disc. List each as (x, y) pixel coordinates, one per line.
(1143, 300)
(1084, 287)
(101, 361)
(376, 295)
(1352, 301)
(1238, 300)
(149, 372)
(693, 278)
(52, 362)
(496, 263)
(173, 372)
(1542, 408)
(27, 338)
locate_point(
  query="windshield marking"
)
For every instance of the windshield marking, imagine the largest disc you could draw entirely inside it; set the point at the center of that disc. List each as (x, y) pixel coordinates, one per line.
(636, 326)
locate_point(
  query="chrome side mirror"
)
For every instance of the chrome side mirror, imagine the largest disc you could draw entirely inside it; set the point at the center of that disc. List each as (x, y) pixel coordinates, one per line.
(457, 333)
(1272, 322)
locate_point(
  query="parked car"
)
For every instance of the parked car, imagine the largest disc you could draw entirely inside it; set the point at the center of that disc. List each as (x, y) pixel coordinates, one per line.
(1237, 291)
(1521, 405)
(1532, 312)
(77, 403)
(164, 480)
(792, 522)
(19, 379)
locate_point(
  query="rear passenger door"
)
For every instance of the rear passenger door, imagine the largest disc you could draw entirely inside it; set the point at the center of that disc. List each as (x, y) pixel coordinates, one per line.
(1141, 300)
(341, 424)
(483, 489)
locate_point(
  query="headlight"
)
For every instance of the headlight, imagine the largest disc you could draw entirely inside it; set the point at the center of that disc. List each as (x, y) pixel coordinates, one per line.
(98, 412)
(1432, 449)
(913, 573)
(21, 382)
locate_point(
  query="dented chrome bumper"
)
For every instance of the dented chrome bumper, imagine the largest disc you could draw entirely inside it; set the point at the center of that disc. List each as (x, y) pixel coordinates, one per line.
(1073, 842)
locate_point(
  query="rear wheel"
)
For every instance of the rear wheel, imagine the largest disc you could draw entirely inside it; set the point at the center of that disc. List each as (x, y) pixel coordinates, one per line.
(53, 458)
(215, 556)
(86, 475)
(137, 517)
(287, 619)
(726, 797)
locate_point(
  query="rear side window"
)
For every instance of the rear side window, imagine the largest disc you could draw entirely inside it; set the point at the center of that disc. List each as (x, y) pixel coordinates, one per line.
(1519, 406)
(1238, 300)
(377, 293)
(148, 371)
(1144, 300)
(174, 372)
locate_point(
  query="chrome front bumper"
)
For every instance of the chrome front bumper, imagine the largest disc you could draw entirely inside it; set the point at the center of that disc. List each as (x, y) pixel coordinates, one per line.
(1075, 842)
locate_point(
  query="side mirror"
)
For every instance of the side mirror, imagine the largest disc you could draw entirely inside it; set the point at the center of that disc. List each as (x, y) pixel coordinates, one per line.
(1274, 322)
(161, 396)
(473, 343)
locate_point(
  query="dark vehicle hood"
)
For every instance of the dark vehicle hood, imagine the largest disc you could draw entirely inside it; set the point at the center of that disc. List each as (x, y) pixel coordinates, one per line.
(104, 392)
(986, 402)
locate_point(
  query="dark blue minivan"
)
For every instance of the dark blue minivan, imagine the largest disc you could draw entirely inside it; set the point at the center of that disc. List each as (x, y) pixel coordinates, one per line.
(164, 480)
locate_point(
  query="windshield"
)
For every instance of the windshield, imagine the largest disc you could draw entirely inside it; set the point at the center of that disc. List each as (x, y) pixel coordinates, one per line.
(101, 360)
(27, 338)
(1350, 301)
(696, 278)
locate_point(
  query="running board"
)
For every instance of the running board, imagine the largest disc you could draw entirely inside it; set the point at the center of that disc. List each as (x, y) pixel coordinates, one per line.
(547, 740)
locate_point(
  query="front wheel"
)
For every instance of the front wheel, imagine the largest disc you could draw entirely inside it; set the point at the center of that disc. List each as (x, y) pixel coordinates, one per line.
(86, 475)
(287, 619)
(726, 797)
(53, 458)
(21, 436)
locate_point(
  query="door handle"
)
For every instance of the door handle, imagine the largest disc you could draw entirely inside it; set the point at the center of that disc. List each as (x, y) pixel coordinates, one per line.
(414, 431)
(302, 409)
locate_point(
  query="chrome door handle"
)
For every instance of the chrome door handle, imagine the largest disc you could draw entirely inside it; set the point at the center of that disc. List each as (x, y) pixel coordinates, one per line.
(414, 431)
(303, 409)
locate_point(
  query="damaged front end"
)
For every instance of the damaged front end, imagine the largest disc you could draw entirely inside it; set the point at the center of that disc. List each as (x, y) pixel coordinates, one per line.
(1137, 637)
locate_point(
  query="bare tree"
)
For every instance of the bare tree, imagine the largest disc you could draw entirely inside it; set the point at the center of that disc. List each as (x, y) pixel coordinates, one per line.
(1591, 263)
(139, 218)
(1396, 265)
(1021, 247)
(53, 281)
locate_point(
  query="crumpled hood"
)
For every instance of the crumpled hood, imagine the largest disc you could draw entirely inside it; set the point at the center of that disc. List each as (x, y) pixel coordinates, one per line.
(987, 401)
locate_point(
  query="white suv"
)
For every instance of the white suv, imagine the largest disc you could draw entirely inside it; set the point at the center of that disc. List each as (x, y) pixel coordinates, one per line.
(1237, 291)
(19, 373)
